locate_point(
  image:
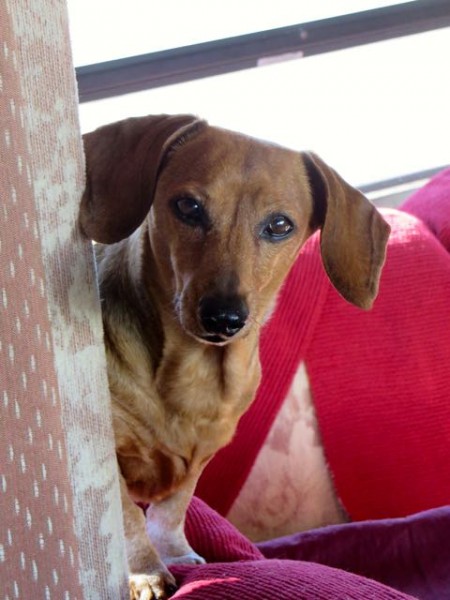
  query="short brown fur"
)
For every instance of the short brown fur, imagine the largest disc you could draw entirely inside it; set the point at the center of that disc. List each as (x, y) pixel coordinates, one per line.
(177, 393)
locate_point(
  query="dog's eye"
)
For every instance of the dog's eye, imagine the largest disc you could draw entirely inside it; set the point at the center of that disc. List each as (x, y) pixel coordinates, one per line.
(190, 211)
(277, 227)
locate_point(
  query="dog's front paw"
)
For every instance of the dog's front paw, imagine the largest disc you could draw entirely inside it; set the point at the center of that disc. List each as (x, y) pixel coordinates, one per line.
(191, 558)
(157, 586)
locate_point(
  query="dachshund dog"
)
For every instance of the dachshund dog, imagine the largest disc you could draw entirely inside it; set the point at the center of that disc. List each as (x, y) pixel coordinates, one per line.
(197, 227)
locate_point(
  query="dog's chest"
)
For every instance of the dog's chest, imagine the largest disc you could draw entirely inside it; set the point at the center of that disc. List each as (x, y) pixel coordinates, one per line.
(159, 461)
(168, 429)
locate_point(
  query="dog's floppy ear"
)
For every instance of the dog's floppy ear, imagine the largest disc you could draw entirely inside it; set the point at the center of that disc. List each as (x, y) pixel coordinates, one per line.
(123, 160)
(353, 233)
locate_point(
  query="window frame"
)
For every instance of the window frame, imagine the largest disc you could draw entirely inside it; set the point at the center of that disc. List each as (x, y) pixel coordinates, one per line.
(138, 73)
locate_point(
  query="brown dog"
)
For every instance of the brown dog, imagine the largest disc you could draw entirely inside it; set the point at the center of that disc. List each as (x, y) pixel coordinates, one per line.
(198, 228)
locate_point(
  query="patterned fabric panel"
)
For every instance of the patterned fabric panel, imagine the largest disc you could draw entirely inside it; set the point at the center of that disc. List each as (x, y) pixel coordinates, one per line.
(61, 530)
(289, 488)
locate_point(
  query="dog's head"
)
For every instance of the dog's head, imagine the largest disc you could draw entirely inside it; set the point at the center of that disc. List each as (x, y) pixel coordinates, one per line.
(226, 216)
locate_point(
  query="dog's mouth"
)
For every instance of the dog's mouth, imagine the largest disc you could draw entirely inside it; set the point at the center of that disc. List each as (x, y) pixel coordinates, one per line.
(214, 339)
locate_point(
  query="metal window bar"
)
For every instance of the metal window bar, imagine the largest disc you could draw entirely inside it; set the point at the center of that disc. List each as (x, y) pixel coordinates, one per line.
(138, 73)
(401, 180)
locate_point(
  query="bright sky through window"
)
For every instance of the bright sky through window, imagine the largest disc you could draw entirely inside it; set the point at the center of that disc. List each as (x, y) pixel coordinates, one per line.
(373, 112)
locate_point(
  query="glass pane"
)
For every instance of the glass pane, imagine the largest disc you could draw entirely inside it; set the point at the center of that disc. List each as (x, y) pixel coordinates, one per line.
(373, 112)
(108, 29)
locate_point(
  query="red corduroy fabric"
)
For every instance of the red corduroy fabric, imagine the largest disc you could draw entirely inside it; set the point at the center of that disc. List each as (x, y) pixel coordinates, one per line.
(281, 579)
(431, 204)
(238, 570)
(380, 379)
(381, 383)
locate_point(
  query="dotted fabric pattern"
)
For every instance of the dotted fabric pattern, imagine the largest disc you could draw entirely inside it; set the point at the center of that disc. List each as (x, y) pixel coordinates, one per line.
(61, 531)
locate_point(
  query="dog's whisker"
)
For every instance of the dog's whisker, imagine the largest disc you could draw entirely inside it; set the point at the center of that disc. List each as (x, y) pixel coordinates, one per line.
(254, 321)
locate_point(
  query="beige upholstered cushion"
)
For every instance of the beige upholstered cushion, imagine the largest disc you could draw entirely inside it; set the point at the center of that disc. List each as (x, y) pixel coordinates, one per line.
(61, 531)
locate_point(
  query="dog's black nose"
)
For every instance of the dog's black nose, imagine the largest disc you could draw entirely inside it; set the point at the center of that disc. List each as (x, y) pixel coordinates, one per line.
(221, 315)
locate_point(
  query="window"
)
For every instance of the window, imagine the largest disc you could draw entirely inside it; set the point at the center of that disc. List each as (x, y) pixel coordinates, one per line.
(106, 30)
(375, 111)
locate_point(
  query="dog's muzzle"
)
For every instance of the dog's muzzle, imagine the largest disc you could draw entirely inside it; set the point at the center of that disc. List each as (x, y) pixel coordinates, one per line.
(222, 317)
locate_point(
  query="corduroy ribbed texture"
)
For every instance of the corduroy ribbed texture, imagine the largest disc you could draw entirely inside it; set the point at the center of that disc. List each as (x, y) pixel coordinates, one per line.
(239, 570)
(215, 538)
(410, 554)
(431, 204)
(381, 381)
(281, 579)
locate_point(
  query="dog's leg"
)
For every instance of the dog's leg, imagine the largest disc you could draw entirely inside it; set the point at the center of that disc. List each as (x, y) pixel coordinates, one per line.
(165, 526)
(149, 578)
